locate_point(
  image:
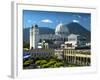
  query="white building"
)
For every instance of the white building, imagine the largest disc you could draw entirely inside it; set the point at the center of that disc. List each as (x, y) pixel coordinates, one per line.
(75, 41)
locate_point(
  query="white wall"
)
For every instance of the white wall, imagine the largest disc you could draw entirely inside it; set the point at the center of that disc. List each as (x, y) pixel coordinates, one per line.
(5, 41)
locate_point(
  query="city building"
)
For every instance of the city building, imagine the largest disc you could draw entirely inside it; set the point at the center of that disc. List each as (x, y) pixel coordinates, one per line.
(76, 57)
(41, 53)
(75, 41)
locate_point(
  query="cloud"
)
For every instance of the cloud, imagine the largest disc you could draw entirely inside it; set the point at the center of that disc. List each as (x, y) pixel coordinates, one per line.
(77, 16)
(46, 21)
(29, 21)
(75, 21)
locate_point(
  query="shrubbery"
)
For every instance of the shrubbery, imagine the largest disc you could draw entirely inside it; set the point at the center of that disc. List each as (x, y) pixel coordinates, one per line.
(59, 64)
(26, 63)
(43, 63)
(40, 62)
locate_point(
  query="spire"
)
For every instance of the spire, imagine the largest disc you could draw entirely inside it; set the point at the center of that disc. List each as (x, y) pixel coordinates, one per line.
(35, 26)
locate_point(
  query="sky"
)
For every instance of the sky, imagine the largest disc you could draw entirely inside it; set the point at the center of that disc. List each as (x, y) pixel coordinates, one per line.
(52, 19)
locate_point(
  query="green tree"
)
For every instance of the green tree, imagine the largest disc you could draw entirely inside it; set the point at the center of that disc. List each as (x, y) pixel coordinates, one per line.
(51, 62)
(45, 65)
(26, 45)
(59, 64)
(43, 62)
(26, 63)
(40, 62)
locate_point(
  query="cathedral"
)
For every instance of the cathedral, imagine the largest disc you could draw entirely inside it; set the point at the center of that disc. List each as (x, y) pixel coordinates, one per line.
(54, 40)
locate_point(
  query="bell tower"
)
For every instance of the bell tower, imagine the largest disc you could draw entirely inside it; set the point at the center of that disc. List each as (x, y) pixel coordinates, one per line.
(34, 36)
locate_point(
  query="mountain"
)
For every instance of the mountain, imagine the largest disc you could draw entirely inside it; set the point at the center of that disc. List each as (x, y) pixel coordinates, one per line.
(76, 28)
(73, 27)
(46, 30)
(42, 30)
(26, 35)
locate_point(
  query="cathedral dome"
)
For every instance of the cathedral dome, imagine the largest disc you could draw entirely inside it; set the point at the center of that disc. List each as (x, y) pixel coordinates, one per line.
(61, 29)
